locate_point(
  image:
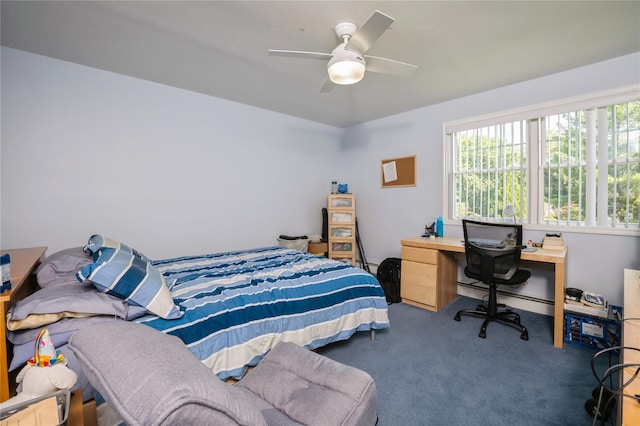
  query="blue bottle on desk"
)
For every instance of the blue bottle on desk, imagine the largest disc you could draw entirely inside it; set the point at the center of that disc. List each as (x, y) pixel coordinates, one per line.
(5, 270)
(439, 227)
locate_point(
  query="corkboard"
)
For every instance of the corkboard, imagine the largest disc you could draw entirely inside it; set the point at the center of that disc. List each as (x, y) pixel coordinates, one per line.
(397, 172)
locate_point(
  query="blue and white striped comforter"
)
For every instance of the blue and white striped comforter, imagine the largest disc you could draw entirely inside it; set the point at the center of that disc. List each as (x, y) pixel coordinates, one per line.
(239, 304)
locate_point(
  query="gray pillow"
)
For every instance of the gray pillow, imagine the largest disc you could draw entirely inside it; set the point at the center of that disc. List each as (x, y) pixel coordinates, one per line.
(60, 332)
(76, 297)
(61, 267)
(152, 378)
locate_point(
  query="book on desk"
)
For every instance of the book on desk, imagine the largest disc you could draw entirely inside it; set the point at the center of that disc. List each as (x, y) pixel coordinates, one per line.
(555, 242)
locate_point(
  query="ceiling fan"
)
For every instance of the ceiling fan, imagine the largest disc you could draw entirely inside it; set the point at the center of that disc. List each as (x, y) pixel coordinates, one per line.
(347, 62)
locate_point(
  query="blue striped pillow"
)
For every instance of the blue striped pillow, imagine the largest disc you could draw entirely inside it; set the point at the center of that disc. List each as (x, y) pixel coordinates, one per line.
(96, 242)
(131, 277)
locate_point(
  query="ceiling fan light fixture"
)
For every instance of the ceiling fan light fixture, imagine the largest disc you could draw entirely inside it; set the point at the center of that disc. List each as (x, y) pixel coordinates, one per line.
(347, 63)
(346, 71)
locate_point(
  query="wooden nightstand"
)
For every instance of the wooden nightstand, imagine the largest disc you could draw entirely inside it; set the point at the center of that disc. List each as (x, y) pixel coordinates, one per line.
(24, 263)
(318, 248)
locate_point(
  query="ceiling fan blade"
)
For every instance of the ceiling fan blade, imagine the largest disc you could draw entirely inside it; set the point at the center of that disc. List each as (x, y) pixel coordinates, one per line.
(327, 86)
(300, 54)
(389, 66)
(370, 31)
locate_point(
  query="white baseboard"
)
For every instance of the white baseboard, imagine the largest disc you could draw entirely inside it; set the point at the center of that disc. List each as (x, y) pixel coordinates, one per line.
(517, 301)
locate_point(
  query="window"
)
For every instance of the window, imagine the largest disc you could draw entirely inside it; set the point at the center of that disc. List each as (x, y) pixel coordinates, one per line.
(570, 164)
(490, 170)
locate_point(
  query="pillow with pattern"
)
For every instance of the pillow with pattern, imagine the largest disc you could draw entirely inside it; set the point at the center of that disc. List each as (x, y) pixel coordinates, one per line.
(129, 275)
(96, 242)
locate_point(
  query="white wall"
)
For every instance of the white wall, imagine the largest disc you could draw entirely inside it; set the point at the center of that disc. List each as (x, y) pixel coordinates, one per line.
(169, 171)
(86, 151)
(387, 215)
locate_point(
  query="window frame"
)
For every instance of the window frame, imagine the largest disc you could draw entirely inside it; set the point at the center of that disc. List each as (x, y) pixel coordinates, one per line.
(534, 175)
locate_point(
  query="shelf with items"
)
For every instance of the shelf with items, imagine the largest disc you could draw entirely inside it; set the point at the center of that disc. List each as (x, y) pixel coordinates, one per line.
(342, 231)
(341, 227)
(593, 331)
(342, 201)
(342, 246)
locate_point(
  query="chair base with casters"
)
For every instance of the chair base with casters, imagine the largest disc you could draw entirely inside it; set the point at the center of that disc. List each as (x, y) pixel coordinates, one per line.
(490, 313)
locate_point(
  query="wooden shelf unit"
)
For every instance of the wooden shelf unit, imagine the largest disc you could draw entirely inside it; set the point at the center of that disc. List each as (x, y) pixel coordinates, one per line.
(341, 212)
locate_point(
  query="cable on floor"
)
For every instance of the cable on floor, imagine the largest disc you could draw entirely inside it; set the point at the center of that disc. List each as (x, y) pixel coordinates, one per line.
(600, 407)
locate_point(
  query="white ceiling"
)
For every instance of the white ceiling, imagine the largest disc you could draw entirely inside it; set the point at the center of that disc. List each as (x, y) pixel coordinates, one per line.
(220, 47)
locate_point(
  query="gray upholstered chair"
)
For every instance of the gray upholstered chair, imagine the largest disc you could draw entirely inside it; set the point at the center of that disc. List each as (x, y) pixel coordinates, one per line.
(151, 378)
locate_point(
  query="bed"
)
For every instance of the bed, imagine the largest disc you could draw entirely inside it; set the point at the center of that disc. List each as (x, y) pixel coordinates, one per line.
(228, 308)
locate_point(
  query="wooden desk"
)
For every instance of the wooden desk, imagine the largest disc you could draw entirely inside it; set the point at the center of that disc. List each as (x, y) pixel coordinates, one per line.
(631, 338)
(24, 263)
(556, 258)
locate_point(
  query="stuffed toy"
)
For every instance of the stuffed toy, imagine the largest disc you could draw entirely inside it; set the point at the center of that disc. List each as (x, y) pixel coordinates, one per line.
(45, 373)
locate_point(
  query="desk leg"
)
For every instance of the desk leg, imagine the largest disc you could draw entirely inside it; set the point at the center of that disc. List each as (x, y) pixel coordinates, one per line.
(76, 414)
(558, 308)
(4, 361)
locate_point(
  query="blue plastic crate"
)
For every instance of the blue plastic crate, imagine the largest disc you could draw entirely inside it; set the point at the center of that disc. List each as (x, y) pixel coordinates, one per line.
(593, 332)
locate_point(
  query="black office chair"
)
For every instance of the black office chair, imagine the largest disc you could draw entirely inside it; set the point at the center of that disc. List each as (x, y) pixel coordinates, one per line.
(493, 256)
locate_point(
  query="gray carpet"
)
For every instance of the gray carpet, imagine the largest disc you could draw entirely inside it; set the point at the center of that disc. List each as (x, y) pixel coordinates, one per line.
(432, 370)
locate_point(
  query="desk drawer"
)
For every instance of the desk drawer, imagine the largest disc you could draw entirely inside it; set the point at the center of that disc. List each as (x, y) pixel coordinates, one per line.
(419, 282)
(420, 255)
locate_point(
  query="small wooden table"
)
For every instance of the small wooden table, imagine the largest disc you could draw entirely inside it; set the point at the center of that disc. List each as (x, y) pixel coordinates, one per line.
(318, 248)
(24, 263)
